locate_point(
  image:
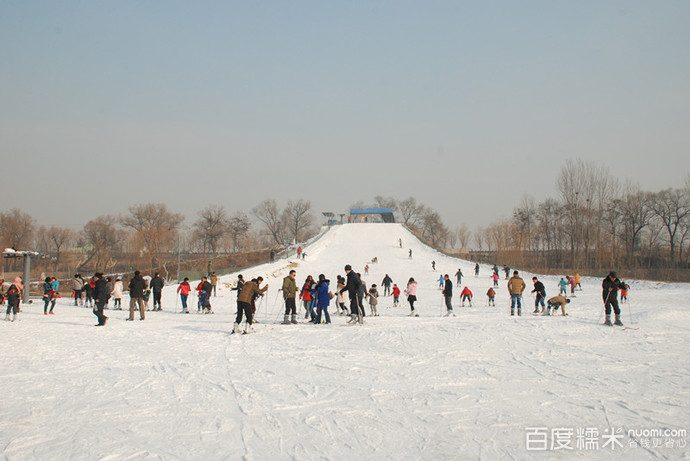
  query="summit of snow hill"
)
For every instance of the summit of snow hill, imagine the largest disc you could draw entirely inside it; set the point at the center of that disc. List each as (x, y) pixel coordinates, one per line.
(480, 385)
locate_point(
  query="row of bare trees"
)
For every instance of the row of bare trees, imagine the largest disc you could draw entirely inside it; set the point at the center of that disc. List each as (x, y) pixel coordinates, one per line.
(594, 224)
(150, 234)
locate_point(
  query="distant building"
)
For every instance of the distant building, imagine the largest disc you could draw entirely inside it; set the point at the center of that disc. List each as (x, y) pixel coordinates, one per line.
(372, 215)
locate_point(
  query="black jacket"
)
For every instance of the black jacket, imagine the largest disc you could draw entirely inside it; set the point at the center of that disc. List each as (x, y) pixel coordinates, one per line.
(157, 284)
(387, 281)
(137, 286)
(353, 285)
(448, 288)
(101, 292)
(539, 289)
(610, 288)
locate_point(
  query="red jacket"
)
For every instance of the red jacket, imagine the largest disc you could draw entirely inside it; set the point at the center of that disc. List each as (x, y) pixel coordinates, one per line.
(184, 288)
(396, 291)
(466, 291)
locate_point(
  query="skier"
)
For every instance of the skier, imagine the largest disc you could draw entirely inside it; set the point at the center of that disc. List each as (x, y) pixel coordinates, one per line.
(238, 284)
(433, 265)
(466, 295)
(610, 287)
(14, 296)
(555, 303)
(410, 253)
(561, 287)
(441, 282)
(494, 277)
(323, 299)
(411, 292)
(117, 294)
(400, 242)
(366, 269)
(289, 290)
(396, 295)
(101, 295)
(136, 295)
(305, 296)
(491, 293)
(340, 299)
(577, 280)
(386, 283)
(352, 286)
(624, 293)
(506, 269)
(448, 295)
(476, 269)
(515, 287)
(458, 277)
(205, 296)
(373, 296)
(244, 300)
(361, 294)
(48, 296)
(157, 284)
(540, 290)
(573, 284)
(184, 290)
(214, 282)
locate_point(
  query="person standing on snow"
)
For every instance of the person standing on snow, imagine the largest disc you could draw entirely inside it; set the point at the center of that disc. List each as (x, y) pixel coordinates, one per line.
(14, 296)
(491, 294)
(562, 287)
(48, 296)
(353, 286)
(183, 291)
(515, 287)
(244, 301)
(136, 295)
(448, 295)
(214, 282)
(411, 292)
(157, 284)
(540, 290)
(610, 287)
(342, 310)
(117, 294)
(494, 277)
(307, 301)
(386, 283)
(458, 277)
(78, 288)
(373, 295)
(396, 295)
(101, 295)
(323, 299)
(289, 290)
(476, 270)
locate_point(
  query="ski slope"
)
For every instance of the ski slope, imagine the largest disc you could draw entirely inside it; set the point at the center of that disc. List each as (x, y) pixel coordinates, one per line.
(481, 385)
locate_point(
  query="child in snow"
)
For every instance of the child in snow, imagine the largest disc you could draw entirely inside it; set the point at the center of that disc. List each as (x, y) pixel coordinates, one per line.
(48, 296)
(492, 295)
(573, 284)
(466, 296)
(117, 294)
(306, 297)
(624, 293)
(411, 292)
(373, 295)
(494, 277)
(14, 295)
(396, 295)
(561, 287)
(441, 282)
(184, 290)
(342, 309)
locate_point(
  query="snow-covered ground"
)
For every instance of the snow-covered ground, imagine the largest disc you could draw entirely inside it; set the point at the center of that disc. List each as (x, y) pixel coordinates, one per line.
(482, 385)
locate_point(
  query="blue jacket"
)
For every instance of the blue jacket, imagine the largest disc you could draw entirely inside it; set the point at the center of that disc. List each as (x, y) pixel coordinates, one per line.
(323, 299)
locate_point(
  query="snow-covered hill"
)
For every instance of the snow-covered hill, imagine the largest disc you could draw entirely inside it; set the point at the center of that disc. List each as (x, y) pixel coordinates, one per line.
(482, 385)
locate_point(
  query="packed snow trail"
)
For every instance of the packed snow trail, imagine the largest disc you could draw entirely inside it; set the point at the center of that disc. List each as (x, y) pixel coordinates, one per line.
(180, 386)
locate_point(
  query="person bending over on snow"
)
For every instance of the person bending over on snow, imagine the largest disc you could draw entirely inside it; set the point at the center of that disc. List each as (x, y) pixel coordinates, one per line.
(610, 287)
(466, 295)
(491, 293)
(555, 303)
(244, 301)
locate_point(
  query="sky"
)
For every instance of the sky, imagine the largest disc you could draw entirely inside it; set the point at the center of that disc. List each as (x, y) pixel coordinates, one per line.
(107, 105)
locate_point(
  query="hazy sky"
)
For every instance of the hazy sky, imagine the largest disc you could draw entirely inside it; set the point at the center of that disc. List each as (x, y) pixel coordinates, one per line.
(466, 106)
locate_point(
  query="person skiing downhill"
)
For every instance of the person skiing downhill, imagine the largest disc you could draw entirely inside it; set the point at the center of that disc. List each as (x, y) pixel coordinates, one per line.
(610, 287)
(458, 277)
(476, 270)
(491, 294)
(466, 295)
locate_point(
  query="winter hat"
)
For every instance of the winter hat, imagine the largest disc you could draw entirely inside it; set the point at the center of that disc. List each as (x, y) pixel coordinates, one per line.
(613, 275)
(348, 267)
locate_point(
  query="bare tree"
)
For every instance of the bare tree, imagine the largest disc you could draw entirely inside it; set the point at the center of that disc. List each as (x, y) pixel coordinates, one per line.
(464, 235)
(17, 229)
(433, 229)
(59, 237)
(267, 212)
(298, 218)
(672, 207)
(102, 238)
(479, 238)
(636, 210)
(238, 226)
(211, 227)
(386, 202)
(410, 211)
(155, 227)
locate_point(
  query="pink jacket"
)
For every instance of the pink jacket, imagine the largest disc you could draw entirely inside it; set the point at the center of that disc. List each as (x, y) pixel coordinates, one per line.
(411, 289)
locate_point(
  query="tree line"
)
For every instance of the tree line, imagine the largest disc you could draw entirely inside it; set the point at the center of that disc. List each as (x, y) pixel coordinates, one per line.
(594, 224)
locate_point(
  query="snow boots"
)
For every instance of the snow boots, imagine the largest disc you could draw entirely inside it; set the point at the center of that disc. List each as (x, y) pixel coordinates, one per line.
(618, 321)
(413, 313)
(360, 319)
(286, 320)
(236, 328)
(608, 320)
(353, 319)
(450, 313)
(294, 318)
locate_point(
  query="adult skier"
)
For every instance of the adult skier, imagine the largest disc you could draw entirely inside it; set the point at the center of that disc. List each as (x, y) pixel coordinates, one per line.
(476, 270)
(323, 299)
(458, 277)
(411, 292)
(244, 302)
(386, 283)
(610, 287)
(289, 290)
(353, 285)
(448, 295)
(515, 287)
(157, 284)
(540, 290)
